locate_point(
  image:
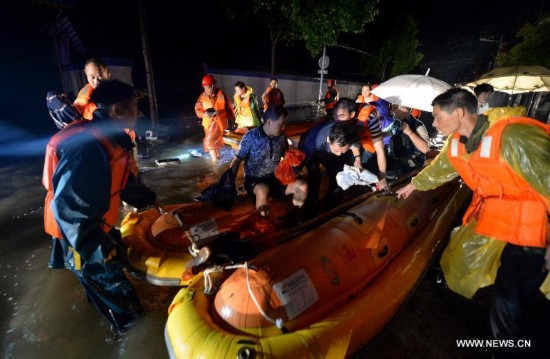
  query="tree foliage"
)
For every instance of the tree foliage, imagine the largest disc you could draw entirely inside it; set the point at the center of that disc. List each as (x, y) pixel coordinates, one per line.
(314, 22)
(396, 49)
(533, 47)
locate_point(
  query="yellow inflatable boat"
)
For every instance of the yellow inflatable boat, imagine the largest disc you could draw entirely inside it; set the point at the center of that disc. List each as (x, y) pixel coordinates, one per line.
(324, 294)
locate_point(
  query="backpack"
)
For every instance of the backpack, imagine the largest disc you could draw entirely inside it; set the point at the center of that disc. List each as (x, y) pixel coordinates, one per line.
(61, 109)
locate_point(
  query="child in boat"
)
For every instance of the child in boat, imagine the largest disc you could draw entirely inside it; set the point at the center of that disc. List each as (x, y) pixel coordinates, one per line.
(261, 150)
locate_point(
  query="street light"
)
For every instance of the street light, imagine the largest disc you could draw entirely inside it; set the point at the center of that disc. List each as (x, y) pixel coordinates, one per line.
(484, 39)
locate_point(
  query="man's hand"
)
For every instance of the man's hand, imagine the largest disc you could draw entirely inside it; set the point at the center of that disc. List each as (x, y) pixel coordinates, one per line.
(357, 163)
(110, 256)
(405, 192)
(405, 128)
(382, 184)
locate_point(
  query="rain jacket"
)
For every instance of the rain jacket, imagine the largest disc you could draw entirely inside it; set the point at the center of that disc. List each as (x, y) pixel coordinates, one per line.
(214, 127)
(83, 104)
(511, 159)
(247, 110)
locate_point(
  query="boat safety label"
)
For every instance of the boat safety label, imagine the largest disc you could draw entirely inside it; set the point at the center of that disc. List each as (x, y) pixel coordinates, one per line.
(204, 230)
(296, 292)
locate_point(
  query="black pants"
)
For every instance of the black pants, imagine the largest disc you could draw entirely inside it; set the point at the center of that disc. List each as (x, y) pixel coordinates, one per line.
(517, 283)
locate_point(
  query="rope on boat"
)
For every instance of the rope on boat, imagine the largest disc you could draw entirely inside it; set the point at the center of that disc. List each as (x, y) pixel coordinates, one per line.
(278, 321)
(209, 287)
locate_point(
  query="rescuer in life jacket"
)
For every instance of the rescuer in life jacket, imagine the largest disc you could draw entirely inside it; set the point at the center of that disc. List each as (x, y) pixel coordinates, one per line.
(331, 97)
(503, 157)
(88, 170)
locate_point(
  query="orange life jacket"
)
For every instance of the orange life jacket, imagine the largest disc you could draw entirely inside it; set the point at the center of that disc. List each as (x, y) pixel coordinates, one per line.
(218, 102)
(505, 205)
(83, 104)
(331, 105)
(273, 96)
(121, 162)
(363, 130)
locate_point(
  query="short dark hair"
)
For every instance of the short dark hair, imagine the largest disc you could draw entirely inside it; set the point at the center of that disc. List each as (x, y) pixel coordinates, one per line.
(479, 89)
(274, 112)
(110, 92)
(456, 98)
(98, 62)
(343, 134)
(240, 85)
(345, 103)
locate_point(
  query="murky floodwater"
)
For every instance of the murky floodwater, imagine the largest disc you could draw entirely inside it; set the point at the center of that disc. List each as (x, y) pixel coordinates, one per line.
(44, 313)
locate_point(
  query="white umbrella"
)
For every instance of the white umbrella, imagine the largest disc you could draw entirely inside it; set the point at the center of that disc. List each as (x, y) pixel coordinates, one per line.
(415, 91)
(516, 79)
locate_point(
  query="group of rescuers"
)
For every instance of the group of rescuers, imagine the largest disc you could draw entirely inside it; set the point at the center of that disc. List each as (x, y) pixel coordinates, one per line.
(89, 169)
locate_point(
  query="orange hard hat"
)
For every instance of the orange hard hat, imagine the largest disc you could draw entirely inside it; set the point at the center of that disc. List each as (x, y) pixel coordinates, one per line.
(331, 82)
(208, 80)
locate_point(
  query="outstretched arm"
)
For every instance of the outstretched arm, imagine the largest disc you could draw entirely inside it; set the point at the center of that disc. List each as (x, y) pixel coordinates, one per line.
(406, 191)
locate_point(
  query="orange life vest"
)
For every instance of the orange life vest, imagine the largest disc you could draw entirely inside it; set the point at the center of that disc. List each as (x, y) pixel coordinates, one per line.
(273, 96)
(83, 104)
(218, 102)
(363, 130)
(328, 95)
(121, 162)
(504, 204)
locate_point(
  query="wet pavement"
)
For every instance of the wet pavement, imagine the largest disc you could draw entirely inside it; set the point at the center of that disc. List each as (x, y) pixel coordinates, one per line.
(44, 312)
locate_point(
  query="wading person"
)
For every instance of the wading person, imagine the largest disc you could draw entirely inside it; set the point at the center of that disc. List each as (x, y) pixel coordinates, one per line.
(88, 170)
(504, 160)
(216, 112)
(247, 110)
(96, 70)
(331, 97)
(273, 95)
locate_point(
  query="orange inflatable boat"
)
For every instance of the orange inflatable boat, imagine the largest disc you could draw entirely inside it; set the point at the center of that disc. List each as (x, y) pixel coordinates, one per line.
(159, 243)
(324, 294)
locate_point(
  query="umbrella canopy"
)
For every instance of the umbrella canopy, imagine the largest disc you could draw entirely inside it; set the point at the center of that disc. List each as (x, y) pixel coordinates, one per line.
(415, 91)
(516, 79)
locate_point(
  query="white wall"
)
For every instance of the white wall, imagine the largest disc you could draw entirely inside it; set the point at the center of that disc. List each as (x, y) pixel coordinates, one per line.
(298, 90)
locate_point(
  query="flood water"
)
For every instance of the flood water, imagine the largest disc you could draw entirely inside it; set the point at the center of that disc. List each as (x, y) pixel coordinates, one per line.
(44, 313)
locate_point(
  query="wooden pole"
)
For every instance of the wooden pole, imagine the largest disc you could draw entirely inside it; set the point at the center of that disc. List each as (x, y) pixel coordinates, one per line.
(153, 112)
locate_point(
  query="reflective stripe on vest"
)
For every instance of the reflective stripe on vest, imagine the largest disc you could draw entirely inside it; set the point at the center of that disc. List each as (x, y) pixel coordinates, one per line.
(504, 204)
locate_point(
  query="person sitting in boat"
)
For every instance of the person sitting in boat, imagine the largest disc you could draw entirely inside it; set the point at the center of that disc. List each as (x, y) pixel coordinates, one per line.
(332, 153)
(345, 110)
(261, 150)
(409, 140)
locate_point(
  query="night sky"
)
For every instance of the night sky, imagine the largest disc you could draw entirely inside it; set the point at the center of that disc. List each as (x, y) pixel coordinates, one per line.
(183, 35)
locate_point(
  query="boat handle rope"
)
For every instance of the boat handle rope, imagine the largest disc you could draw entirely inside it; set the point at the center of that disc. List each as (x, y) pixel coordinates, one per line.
(208, 288)
(278, 321)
